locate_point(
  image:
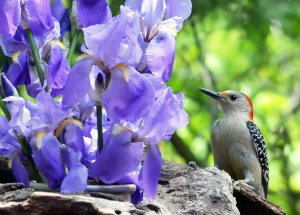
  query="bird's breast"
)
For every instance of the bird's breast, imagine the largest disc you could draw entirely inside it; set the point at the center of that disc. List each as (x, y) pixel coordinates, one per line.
(229, 138)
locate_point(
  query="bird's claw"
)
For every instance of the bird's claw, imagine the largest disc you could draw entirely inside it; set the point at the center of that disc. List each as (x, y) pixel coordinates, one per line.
(243, 183)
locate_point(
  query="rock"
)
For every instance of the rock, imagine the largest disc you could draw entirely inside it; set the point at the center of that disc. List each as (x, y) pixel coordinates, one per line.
(14, 192)
(182, 189)
(15, 199)
(55, 203)
(191, 190)
(187, 190)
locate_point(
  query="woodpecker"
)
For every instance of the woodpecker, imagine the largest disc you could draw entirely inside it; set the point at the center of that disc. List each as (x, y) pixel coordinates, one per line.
(237, 143)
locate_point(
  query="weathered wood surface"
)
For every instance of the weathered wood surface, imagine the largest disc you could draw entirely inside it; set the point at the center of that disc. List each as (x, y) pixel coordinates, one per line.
(250, 203)
(182, 189)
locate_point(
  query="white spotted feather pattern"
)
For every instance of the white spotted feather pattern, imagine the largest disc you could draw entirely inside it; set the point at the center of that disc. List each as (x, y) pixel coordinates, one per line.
(261, 152)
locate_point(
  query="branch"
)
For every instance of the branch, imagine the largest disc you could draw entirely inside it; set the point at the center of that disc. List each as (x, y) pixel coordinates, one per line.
(248, 202)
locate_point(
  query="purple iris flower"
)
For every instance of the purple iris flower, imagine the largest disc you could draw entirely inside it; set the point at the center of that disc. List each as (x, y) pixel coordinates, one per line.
(60, 150)
(7, 88)
(80, 132)
(19, 72)
(20, 115)
(120, 36)
(28, 118)
(11, 46)
(151, 171)
(91, 12)
(72, 133)
(10, 16)
(60, 12)
(118, 157)
(160, 54)
(58, 69)
(37, 16)
(129, 95)
(33, 14)
(46, 151)
(49, 116)
(159, 35)
(134, 178)
(61, 158)
(153, 12)
(167, 114)
(79, 74)
(76, 178)
(59, 164)
(139, 110)
(116, 161)
(10, 148)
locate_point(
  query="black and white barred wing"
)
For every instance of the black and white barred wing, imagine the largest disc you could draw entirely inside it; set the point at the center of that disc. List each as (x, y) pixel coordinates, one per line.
(261, 152)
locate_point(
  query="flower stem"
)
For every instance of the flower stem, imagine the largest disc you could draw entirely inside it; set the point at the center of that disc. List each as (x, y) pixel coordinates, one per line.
(36, 56)
(72, 45)
(99, 127)
(73, 36)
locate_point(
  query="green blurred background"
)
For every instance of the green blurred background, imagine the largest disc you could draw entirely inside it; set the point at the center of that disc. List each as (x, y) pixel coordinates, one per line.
(250, 46)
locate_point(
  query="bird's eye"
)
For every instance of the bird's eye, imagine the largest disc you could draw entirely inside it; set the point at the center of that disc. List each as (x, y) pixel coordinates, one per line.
(233, 97)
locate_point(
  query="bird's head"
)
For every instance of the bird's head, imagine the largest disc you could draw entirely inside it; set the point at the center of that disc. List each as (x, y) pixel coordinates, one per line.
(232, 102)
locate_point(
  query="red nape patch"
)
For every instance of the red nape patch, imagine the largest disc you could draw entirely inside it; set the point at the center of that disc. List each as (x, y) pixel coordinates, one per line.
(250, 103)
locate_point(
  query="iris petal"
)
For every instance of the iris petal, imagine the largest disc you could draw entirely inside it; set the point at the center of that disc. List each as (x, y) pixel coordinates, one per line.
(10, 16)
(129, 97)
(20, 172)
(58, 70)
(76, 179)
(120, 37)
(79, 74)
(48, 159)
(161, 53)
(151, 171)
(114, 161)
(93, 12)
(179, 8)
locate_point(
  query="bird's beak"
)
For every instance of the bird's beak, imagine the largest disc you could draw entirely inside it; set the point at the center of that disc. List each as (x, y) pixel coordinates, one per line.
(212, 94)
